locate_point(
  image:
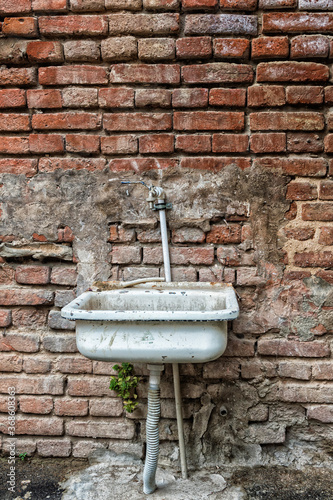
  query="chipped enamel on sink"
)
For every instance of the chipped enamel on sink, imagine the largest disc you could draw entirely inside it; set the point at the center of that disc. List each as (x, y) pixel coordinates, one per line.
(154, 322)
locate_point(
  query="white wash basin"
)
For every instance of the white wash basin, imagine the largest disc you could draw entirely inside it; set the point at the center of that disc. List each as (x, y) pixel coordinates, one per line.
(154, 322)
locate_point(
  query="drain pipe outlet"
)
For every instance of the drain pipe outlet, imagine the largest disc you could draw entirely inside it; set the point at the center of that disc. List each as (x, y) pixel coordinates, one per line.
(152, 432)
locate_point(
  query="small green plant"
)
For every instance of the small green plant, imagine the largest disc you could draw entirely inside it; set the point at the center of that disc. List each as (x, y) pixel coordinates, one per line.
(22, 455)
(125, 385)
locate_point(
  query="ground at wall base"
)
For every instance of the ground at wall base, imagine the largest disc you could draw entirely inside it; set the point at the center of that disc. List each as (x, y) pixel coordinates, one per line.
(58, 479)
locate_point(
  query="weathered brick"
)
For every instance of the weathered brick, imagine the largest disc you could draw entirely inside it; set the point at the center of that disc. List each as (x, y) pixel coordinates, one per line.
(227, 97)
(322, 371)
(304, 143)
(82, 143)
(304, 95)
(199, 4)
(66, 121)
(74, 365)
(32, 275)
(321, 413)
(119, 144)
(120, 429)
(231, 48)
(5, 317)
(330, 121)
(52, 164)
(180, 255)
(283, 347)
(301, 191)
(141, 164)
(239, 348)
(268, 143)
(63, 297)
(145, 73)
(232, 256)
(315, 5)
(292, 72)
(188, 235)
(57, 322)
(13, 51)
(194, 47)
(63, 276)
(82, 50)
(25, 27)
(36, 365)
(326, 190)
(314, 259)
(18, 166)
(263, 96)
(317, 211)
(29, 317)
(137, 121)
(143, 24)
(44, 99)
(189, 98)
(14, 145)
(269, 433)
(222, 369)
(221, 234)
(193, 143)
(54, 448)
(123, 4)
(254, 369)
(156, 143)
(295, 370)
(12, 122)
(84, 449)
(60, 343)
(87, 5)
(90, 386)
(79, 97)
(116, 98)
(247, 276)
(126, 255)
(156, 49)
(71, 407)
(73, 25)
(33, 404)
(329, 95)
(299, 233)
(41, 52)
(297, 22)
(221, 24)
(297, 393)
(119, 49)
(10, 363)
(15, 7)
(24, 297)
(106, 407)
(238, 4)
(69, 75)
(304, 167)
(18, 76)
(279, 120)
(208, 120)
(270, 47)
(12, 98)
(161, 4)
(51, 384)
(214, 163)
(310, 46)
(156, 98)
(220, 72)
(49, 5)
(46, 143)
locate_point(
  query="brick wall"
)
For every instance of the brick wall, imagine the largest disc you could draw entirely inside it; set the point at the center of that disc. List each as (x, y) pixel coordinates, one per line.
(227, 105)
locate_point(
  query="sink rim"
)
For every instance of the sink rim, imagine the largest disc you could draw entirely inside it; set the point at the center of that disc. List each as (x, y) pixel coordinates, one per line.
(74, 310)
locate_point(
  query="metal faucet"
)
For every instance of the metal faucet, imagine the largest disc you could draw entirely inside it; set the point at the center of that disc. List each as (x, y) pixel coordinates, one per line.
(155, 193)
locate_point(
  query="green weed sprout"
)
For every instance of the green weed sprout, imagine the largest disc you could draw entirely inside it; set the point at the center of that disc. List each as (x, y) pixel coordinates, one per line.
(125, 386)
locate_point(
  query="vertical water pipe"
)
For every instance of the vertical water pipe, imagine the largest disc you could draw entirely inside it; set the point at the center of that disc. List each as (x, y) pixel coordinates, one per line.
(175, 367)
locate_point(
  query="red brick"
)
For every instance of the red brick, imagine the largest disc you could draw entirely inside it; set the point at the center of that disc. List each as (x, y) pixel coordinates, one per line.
(46, 143)
(19, 342)
(301, 191)
(230, 143)
(329, 95)
(71, 407)
(15, 7)
(44, 99)
(32, 275)
(190, 98)
(326, 236)
(41, 405)
(299, 233)
(66, 121)
(287, 121)
(238, 4)
(188, 235)
(145, 73)
(18, 76)
(208, 120)
(292, 72)
(231, 48)
(124, 4)
(69, 75)
(119, 429)
(317, 211)
(326, 190)
(54, 448)
(304, 143)
(5, 318)
(12, 98)
(221, 24)
(122, 235)
(73, 25)
(116, 98)
(330, 121)
(304, 167)
(326, 275)
(264, 96)
(156, 143)
(328, 141)
(314, 259)
(156, 98)
(143, 24)
(52, 384)
(227, 97)
(14, 122)
(277, 4)
(194, 47)
(90, 386)
(24, 297)
(74, 365)
(268, 143)
(215, 164)
(49, 5)
(18, 166)
(199, 4)
(193, 143)
(45, 52)
(125, 255)
(82, 143)
(52, 164)
(10, 363)
(35, 426)
(311, 46)
(63, 276)
(20, 26)
(65, 234)
(221, 234)
(14, 145)
(141, 164)
(160, 4)
(36, 365)
(29, 317)
(137, 121)
(106, 407)
(217, 73)
(119, 144)
(305, 95)
(270, 47)
(297, 22)
(283, 347)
